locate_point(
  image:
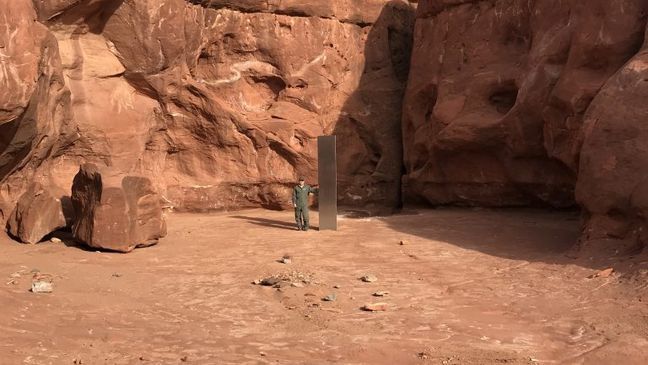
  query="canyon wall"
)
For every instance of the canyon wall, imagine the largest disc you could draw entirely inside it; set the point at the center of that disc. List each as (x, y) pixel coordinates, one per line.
(218, 102)
(531, 103)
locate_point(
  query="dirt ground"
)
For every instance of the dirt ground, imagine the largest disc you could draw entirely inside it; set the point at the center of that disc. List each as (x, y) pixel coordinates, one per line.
(467, 287)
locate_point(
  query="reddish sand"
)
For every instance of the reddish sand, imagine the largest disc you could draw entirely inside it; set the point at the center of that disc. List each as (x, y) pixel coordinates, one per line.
(468, 287)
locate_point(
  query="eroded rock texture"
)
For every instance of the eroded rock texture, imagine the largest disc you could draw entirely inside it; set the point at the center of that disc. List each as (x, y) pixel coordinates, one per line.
(34, 101)
(613, 182)
(115, 214)
(503, 93)
(38, 213)
(218, 102)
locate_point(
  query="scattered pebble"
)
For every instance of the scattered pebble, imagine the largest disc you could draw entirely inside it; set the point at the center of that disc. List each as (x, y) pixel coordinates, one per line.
(286, 259)
(297, 285)
(117, 275)
(41, 287)
(55, 240)
(184, 358)
(380, 293)
(603, 273)
(336, 286)
(285, 279)
(375, 307)
(402, 242)
(270, 281)
(262, 353)
(369, 278)
(330, 298)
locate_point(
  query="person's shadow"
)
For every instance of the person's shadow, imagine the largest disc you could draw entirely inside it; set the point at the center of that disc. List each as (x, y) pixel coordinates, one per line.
(272, 223)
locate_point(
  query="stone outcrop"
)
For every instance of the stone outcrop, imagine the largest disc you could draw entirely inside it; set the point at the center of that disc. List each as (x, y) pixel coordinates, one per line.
(115, 216)
(516, 103)
(38, 213)
(613, 175)
(495, 105)
(219, 102)
(35, 120)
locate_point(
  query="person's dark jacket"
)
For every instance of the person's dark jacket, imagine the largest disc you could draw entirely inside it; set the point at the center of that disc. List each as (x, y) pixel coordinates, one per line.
(300, 195)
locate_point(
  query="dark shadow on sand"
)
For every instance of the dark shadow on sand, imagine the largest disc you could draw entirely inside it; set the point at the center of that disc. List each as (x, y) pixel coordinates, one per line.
(533, 235)
(272, 223)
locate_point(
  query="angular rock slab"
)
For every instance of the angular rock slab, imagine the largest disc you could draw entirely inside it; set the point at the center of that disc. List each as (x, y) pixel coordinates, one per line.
(37, 214)
(118, 218)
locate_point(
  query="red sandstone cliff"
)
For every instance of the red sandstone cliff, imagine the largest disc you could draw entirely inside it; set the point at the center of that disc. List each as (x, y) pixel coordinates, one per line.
(517, 103)
(507, 103)
(219, 102)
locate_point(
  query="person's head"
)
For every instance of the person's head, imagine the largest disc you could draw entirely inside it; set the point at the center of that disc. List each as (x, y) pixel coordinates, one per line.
(301, 181)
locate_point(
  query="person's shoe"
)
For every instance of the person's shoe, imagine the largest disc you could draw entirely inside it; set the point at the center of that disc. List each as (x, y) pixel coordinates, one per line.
(305, 228)
(299, 228)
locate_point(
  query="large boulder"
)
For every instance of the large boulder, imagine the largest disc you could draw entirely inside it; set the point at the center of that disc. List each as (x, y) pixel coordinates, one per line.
(34, 101)
(114, 216)
(37, 214)
(613, 178)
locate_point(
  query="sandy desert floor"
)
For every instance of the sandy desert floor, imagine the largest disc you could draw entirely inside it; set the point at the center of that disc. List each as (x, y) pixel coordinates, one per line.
(467, 287)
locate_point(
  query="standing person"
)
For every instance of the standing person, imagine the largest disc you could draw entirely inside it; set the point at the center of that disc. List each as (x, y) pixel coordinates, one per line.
(300, 203)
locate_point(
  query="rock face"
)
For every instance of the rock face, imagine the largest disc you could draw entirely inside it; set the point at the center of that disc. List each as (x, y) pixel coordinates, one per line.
(514, 103)
(498, 92)
(218, 102)
(613, 183)
(116, 217)
(37, 214)
(34, 101)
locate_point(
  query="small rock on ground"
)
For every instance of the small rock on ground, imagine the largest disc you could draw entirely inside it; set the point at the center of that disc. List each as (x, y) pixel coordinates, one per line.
(603, 273)
(380, 293)
(375, 307)
(41, 286)
(271, 281)
(55, 240)
(330, 298)
(369, 278)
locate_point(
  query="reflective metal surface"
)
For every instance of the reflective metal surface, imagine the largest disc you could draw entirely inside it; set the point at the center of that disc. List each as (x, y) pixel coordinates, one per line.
(327, 176)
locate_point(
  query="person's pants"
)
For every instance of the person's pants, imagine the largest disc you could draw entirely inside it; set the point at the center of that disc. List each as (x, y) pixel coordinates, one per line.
(301, 217)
